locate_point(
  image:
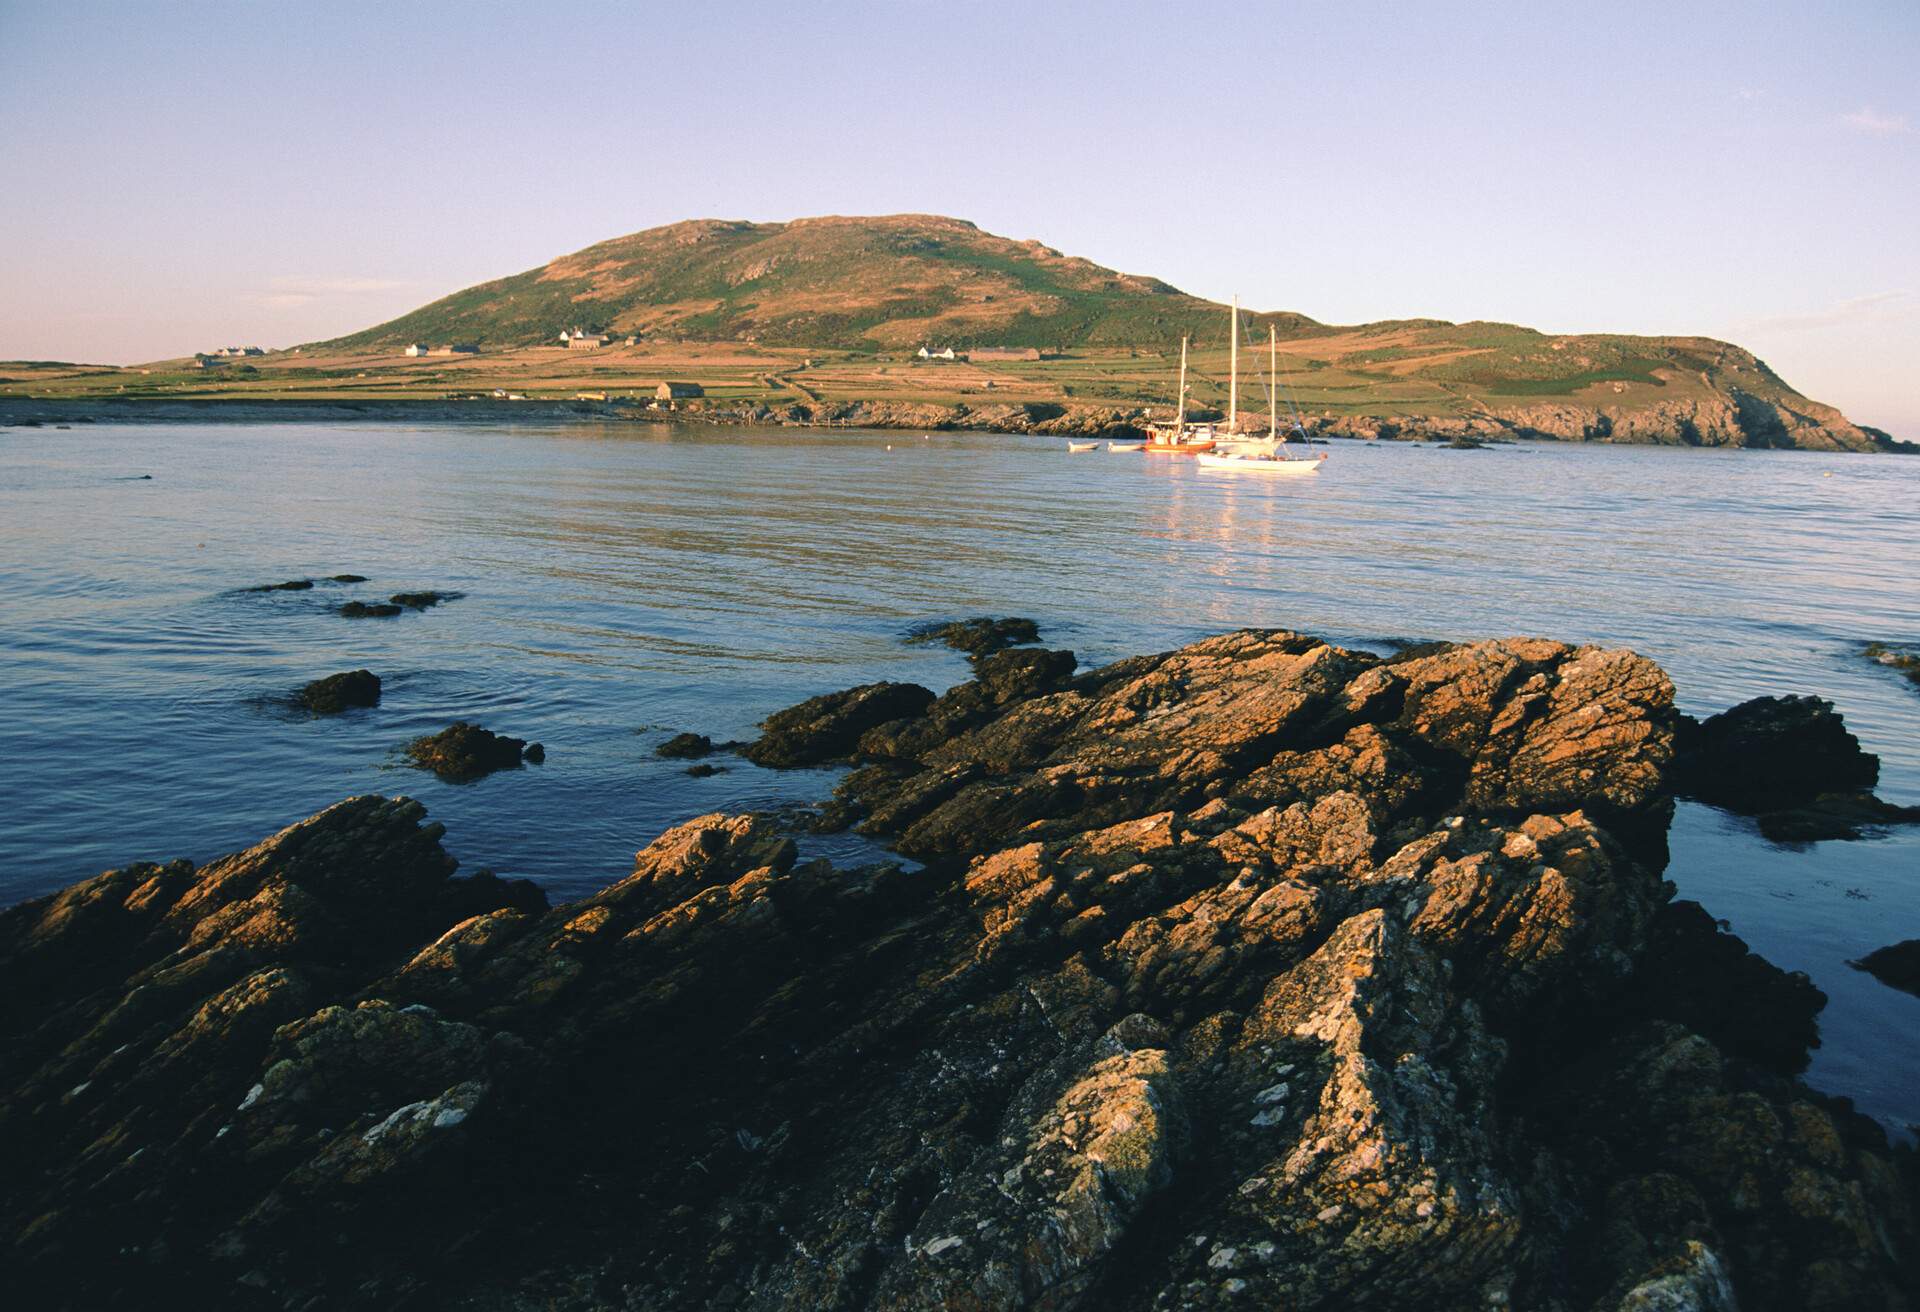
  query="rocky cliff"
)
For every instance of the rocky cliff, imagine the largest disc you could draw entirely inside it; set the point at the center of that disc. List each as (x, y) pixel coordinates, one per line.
(1743, 421)
(1738, 419)
(1255, 974)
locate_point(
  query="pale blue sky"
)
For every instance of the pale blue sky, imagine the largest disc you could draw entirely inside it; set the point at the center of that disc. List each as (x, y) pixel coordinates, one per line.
(173, 176)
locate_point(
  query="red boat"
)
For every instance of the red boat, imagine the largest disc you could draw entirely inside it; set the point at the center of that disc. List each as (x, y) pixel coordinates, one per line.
(1183, 441)
(1179, 438)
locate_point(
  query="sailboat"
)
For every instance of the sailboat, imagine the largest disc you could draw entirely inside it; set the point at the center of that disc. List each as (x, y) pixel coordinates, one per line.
(1180, 438)
(1273, 457)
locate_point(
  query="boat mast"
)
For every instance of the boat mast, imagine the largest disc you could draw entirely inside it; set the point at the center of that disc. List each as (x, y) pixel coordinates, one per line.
(1273, 383)
(1180, 414)
(1233, 374)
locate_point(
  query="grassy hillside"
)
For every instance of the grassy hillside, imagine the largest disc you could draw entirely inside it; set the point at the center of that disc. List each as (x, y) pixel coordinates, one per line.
(848, 283)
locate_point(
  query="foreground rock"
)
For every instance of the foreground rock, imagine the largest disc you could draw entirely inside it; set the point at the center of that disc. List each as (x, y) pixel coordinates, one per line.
(463, 751)
(1258, 974)
(339, 692)
(1897, 965)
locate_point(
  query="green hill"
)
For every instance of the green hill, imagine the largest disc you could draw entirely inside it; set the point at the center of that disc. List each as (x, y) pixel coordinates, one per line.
(887, 285)
(847, 283)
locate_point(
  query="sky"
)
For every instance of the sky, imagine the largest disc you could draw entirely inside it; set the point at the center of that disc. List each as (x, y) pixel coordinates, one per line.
(179, 176)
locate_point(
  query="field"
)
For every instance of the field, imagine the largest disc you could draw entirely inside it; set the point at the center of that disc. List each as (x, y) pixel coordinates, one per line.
(1390, 370)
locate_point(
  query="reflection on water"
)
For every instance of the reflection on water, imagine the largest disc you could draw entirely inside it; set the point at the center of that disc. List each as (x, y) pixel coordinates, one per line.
(624, 582)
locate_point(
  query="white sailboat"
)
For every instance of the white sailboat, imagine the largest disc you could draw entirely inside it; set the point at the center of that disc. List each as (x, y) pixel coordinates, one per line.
(1270, 456)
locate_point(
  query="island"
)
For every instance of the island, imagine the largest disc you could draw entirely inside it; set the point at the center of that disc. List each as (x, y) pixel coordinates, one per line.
(925, 322)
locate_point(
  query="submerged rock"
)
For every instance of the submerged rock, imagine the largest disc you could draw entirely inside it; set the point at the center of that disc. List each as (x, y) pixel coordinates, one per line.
(358, 610)
(464, 751)
(422, 600)
(349, 578)
(1259, 973)
(1903, 660)
(337, 692)
(291, 585)
(1897, 965)
(977, 636)
(685, 747)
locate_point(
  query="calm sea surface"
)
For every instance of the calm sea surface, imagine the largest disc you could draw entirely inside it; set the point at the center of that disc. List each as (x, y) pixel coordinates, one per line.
(624, 582)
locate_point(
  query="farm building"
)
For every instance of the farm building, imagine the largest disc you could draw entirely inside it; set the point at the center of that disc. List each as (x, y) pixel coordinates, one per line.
(980, 353)
(416, 348)
(946, 353)
(582, 341)
(678, 391)
(457, 348)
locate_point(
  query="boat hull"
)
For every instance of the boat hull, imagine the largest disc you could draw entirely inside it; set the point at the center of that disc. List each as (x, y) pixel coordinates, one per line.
(1245, 465)
(1180, 449)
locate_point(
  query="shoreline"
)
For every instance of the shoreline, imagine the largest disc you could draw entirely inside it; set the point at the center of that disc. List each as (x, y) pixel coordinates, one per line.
(1105, 422)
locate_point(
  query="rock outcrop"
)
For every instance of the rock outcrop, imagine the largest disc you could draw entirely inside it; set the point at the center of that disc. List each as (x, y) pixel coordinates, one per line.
(685, 747)
(464, 751)
(1897, 965)
(339, 692)
(978, 636)
(1790, 763)
(1732, 419)
(1254, 974)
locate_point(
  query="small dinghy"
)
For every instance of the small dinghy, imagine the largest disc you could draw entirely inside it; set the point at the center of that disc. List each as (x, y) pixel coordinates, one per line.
(1125, 446)
(1083, 446)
